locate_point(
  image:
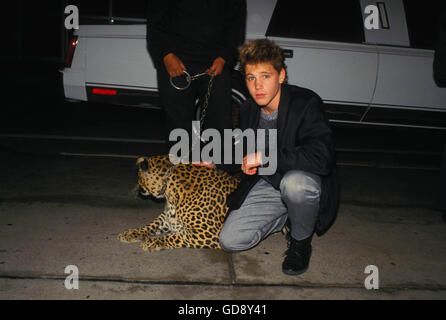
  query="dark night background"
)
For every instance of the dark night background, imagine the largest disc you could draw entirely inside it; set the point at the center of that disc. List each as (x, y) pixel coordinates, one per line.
(67, 173)
(35, 40)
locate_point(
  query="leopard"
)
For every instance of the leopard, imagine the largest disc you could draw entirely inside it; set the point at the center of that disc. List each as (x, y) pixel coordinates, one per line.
(195, 204)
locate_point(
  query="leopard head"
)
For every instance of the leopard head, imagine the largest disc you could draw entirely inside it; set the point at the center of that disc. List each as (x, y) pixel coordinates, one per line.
(152, 173)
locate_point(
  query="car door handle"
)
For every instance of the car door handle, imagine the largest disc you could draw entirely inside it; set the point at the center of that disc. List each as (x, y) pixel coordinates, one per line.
(287, 53)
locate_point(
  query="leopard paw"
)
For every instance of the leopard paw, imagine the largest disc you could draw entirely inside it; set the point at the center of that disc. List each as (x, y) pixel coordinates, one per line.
(153, 244)
(131, 235)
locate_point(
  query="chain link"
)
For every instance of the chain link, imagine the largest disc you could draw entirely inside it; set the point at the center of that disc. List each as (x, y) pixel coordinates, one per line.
(206, 102)
(198, 75)
(189, 79)
(203, 113)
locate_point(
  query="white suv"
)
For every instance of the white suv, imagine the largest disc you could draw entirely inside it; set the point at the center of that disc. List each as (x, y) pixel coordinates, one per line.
(380, 77)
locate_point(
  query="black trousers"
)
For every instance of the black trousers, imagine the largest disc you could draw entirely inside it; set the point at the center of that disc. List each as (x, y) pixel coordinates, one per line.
(180, 105)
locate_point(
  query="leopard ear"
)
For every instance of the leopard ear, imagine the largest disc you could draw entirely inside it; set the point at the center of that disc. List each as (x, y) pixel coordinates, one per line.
(142, 163)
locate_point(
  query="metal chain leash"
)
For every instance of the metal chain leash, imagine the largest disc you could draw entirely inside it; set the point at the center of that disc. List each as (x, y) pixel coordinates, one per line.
(206, 102)
(203, 112)
(189, 79)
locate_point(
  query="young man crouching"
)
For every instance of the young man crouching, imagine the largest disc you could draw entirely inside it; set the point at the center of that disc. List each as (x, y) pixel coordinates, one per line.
(305, 187)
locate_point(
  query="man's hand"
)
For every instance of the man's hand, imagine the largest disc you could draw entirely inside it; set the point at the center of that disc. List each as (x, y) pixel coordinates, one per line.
(204, 164)
(217, 67)
(174, 65)
(251, 162)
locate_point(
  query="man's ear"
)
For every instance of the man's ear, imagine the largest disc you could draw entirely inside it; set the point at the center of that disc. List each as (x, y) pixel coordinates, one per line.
(282, 75)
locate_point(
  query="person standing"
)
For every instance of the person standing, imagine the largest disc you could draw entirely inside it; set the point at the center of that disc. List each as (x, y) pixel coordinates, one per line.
(195, 36)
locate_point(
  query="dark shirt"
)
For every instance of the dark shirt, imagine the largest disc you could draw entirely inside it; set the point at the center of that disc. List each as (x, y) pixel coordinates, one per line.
(196, 30)
(268, 122)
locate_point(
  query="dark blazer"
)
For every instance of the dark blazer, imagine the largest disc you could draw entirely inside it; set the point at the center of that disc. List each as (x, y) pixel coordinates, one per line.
(304, 142)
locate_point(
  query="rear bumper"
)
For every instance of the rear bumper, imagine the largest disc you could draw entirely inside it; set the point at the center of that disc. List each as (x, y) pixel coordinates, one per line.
(123, 96)
(74, 84)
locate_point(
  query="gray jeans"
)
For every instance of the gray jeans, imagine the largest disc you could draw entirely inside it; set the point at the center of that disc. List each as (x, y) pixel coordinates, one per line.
(266, 209)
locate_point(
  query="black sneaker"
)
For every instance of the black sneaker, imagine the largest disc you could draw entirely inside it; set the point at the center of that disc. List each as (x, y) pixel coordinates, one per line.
(297, 257)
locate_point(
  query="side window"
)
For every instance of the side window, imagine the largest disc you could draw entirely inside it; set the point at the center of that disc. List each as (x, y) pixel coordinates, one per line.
(422, 22)
(318, 20)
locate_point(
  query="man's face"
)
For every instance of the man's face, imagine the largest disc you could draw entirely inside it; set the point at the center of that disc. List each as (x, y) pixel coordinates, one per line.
(264, 83)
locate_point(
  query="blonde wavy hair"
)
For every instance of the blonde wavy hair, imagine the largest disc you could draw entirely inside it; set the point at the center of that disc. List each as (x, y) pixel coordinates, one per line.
(261, 51)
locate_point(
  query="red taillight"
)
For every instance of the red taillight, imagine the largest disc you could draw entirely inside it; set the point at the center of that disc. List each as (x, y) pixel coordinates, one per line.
(70, 52)
(104, 91)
